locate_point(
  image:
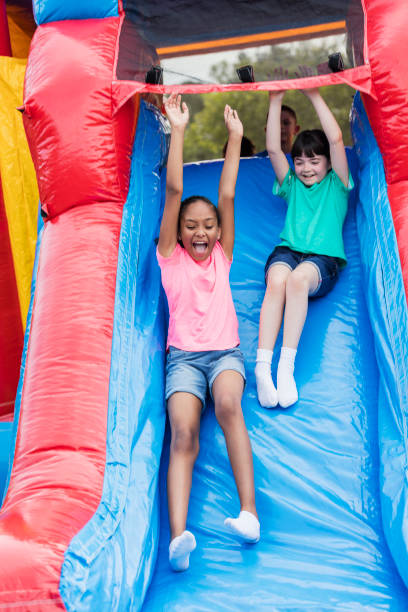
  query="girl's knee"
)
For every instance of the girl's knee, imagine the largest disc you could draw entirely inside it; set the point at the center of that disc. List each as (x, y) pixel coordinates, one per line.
(227, 408)
(298, 282)
(276, 283)
(185, 440)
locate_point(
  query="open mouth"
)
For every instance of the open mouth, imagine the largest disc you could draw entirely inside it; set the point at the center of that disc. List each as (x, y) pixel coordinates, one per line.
(200, 247)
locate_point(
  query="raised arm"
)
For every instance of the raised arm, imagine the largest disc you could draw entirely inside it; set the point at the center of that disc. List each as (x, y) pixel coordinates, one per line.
(273, 136)
(226, 189)
(178, 116)
(333, 132)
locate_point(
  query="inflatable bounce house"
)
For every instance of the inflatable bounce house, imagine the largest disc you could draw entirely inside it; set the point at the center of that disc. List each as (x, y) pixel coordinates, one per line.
(83, 524)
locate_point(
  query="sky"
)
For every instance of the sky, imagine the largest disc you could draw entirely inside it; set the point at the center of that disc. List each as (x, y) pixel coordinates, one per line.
(195, 65)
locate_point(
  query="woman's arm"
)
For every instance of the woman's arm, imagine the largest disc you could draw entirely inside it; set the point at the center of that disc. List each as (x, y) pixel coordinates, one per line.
(273, 136)
(178, 116)
(333, 132)
(226, 189)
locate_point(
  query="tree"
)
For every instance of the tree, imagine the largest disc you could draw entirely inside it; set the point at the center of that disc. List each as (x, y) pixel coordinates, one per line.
(206, 134)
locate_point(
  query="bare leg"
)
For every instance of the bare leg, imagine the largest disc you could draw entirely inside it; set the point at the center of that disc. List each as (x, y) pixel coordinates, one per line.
(272, 306)
(184, 413)
(269, 325)
(301, 282)
(227, 392)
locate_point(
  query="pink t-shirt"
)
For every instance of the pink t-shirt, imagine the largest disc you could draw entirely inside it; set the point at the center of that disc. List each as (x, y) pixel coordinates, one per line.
(202, 313)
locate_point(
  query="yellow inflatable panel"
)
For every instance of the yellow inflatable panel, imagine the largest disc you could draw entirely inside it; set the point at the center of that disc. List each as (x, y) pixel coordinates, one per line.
(18, 178)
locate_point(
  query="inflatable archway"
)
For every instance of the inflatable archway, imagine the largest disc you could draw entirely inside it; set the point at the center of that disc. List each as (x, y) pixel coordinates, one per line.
(83, 524)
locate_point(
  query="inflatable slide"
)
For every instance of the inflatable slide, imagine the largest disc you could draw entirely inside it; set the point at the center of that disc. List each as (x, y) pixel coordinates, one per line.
(83, 525)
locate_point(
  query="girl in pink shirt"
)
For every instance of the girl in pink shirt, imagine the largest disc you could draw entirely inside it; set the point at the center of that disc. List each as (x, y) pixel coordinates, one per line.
(195, 255)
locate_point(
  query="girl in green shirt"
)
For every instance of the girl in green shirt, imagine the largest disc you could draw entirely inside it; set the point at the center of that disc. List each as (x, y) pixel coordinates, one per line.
(305, 263)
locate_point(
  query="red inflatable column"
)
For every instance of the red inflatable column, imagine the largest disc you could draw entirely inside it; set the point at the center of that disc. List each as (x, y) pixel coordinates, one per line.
(5, 45)
(388, 49)
(81, 151)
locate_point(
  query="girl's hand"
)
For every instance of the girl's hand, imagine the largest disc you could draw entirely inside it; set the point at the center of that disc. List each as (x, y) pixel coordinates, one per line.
(276, 95)
(311, 93)
(177, 112)
(304, 72)
(307, 71)
(232, 121)
(280, 74)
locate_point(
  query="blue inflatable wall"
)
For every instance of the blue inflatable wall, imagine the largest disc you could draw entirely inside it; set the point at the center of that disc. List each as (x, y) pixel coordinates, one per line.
(54, 10)
(387, 307)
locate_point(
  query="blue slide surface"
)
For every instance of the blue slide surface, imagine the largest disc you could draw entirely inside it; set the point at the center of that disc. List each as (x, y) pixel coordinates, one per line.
(316, 464)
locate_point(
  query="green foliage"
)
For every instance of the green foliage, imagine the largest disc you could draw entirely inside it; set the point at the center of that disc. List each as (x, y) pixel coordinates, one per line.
(267, 64)
(206, 133)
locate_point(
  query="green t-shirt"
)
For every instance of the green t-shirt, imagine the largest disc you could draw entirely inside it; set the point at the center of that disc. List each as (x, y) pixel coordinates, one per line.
(315, 217)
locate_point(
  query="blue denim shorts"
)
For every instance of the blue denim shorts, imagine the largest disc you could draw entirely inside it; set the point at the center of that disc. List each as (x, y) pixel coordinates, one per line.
(195, 371)
(327, 267)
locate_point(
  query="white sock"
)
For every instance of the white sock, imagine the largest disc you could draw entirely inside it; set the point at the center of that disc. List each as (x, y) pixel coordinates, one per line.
(287, 391)
(245, 526)
(180, 549)
(267, 394)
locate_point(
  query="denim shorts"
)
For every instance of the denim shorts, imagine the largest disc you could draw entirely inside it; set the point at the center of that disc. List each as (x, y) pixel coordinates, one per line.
(327, 267)
(195, 371)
